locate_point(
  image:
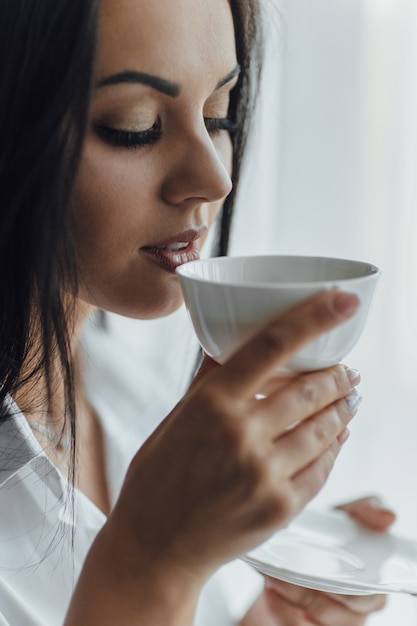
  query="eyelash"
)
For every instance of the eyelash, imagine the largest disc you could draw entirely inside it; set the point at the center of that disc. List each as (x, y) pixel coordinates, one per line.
(136, 139)
(129, 138)
(216, 124)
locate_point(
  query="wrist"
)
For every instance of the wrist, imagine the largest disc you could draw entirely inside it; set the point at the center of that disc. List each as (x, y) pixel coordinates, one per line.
(122, 586)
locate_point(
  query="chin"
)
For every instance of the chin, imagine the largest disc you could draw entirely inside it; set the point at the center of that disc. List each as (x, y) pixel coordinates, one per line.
(153, 310)
(147, 305)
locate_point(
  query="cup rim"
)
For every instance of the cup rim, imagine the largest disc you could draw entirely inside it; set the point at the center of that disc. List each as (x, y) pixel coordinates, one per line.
(373, 272)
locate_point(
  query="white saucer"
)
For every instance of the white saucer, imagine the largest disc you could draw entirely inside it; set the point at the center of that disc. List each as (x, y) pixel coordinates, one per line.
(328, 551)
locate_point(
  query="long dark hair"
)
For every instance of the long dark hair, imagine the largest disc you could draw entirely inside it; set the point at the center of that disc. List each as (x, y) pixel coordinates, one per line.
(47, 55)
(248, 29)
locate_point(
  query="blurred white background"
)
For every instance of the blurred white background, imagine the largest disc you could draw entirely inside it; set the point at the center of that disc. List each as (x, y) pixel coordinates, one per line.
(332, 171)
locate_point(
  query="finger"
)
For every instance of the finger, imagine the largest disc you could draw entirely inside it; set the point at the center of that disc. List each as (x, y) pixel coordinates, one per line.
(281, 612)
(277, 382)
(300, 446)
(327, 609)
(304, 597)
(307, 483)
(272, 347)
(306, 395)
(361, 604)
(271, 610)
(370, 512)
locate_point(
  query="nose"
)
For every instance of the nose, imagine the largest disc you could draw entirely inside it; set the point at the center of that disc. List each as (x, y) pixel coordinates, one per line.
(200, 171)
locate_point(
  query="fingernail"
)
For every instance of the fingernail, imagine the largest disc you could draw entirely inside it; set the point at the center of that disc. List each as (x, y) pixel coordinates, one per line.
(353, 375)
(344, 436)
(345, 303)
(353, 400)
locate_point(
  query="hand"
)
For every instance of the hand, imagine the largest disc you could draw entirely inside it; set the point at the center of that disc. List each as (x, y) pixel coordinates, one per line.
(283, 604)
(224, 466)
(221, 473)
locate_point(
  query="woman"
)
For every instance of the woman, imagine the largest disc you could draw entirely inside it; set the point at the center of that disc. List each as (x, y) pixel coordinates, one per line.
(116, 160)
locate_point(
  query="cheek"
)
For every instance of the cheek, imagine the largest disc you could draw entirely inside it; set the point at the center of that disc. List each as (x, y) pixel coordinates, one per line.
(105, 206)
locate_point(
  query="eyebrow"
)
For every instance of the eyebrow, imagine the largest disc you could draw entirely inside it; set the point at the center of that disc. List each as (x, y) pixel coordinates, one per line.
(166, 87)
(160, 84)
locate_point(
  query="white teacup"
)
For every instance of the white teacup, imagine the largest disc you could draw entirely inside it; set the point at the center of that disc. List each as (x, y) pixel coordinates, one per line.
(230, 298)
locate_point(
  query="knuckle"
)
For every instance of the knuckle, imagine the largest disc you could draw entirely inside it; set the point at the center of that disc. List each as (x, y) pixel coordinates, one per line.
(330, 423)
(209, 397)
(317, 436)
(242, 469)
(211, 408)
(308, 392)
(305, 442)
(322, 431)
(275, 339)
(251, 469)
(281, 507)
(319, 389)
(318, 433)
(326, 426)
(285, 504)
(340, 380)
(276, 507)
(307, 600)
(323, 313)
(253, 472)
(212, 403)
(220, 421)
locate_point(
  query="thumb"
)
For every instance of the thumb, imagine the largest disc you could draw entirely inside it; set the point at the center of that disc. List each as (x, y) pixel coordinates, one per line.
(370, 512)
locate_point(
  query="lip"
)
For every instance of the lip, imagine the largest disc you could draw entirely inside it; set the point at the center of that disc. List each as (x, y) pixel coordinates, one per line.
(169, 260)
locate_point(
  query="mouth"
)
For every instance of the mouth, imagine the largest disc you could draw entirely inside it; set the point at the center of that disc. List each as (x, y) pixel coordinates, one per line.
(176, 250)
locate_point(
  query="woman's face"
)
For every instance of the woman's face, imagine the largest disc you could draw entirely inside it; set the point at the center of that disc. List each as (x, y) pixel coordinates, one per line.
(156, 163)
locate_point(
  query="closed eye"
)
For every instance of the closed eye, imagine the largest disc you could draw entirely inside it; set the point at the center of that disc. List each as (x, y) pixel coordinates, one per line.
(217, 124)
(123, 138)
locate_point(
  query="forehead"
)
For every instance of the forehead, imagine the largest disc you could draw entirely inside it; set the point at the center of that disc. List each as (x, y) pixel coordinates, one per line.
(167, 37)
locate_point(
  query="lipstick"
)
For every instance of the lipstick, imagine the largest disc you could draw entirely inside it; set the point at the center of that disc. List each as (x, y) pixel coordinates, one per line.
(175, 250)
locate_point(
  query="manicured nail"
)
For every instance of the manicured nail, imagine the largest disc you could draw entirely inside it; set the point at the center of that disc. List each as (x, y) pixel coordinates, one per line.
(353, 400)
(353, 375)
(344, 436)
(346, 303)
